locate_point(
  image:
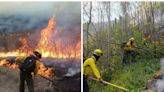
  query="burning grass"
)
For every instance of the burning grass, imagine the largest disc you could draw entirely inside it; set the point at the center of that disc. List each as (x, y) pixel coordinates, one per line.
(53, 42)
(65, 82)
(42, 69)
(49, 45)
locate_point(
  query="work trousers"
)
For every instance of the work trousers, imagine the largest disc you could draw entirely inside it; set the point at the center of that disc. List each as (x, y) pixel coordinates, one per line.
(85, 84)
(26, 77)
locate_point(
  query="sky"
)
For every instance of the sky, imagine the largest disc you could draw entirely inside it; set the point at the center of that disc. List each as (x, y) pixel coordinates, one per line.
(67, 14)
(26, 8)
(115, 11)
(33, 8)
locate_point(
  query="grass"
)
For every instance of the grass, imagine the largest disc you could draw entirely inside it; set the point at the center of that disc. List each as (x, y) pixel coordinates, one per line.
(131, 76)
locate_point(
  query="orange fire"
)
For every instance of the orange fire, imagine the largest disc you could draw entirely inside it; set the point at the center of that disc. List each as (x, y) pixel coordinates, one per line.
(54, 49)
(46, 72)
(12, 54)
(46, 46)
(5, 63)
(42, 70)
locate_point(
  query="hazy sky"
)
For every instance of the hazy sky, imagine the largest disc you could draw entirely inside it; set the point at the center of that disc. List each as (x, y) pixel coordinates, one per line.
(33, 8)
(114, 13)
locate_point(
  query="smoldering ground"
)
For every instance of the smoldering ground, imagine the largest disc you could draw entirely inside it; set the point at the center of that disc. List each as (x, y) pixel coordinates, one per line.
(157, 84)
(17, 21)
(68, 73)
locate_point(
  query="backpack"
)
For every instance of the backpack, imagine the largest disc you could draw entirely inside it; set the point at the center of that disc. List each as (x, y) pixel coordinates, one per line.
(28, 65)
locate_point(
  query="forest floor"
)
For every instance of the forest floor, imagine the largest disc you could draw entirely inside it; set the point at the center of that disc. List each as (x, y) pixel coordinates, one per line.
(131, 76)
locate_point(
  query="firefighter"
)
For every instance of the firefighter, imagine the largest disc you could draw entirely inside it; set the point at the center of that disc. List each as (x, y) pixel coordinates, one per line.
(28, 66)
(129, 50)
(89, 66)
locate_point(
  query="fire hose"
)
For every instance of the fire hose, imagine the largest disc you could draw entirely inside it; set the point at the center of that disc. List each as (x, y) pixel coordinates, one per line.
(105, 82)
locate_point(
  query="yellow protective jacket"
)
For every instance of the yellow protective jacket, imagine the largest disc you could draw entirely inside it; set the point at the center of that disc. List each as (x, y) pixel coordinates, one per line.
(89, 67)
(18, 60)
(129, 46)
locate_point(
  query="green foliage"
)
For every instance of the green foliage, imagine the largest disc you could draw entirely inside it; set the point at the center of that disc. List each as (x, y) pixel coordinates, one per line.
(131, 76)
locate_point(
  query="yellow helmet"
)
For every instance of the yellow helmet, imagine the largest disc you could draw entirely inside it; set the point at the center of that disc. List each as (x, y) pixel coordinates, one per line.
(98, 52)
(132, 39)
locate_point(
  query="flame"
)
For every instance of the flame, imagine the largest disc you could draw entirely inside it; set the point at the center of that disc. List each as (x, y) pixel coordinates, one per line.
(12, 54)
(46, 72)
(47, 47)
(42, 70)
(25, 45)
(5, 63)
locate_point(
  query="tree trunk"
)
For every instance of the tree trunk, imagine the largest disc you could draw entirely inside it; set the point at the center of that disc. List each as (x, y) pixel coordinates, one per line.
(90, 19)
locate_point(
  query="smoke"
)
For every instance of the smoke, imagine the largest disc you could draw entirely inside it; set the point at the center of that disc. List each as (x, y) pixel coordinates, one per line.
(160, 86)
(27, 19)
(160, 82)
(42, 9)
(9, 80)
(72, 71)
(19, 16)
(69, 14)
(162, 65)
(32, 17)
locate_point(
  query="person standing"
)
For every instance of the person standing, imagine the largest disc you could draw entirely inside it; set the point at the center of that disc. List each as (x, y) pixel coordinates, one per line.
(89, 67)
(27, 66)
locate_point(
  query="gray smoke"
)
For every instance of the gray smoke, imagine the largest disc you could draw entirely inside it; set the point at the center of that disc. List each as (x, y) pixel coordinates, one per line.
(21, 16)
(162, 65)
(160, 83)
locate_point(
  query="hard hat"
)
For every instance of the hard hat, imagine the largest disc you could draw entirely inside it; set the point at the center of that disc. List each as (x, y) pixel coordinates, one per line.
(132, 39)
(38, 54)
(98, 52)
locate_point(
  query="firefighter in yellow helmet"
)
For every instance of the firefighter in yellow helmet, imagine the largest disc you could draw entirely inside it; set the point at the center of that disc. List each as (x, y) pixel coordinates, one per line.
(129, 50)
(27, 66)
(89, 68)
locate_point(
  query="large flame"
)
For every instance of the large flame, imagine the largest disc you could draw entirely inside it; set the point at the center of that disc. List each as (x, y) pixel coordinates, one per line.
(54, 49)
(46, 46)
